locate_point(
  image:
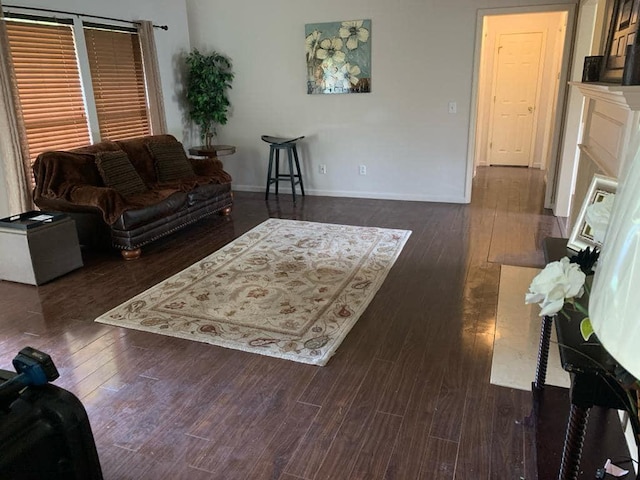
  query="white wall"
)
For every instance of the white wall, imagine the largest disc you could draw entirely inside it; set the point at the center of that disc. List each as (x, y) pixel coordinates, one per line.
(170, 44)
(422, 58)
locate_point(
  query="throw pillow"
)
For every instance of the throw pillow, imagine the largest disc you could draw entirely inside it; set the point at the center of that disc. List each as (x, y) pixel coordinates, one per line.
(117, 172)
(171, 161)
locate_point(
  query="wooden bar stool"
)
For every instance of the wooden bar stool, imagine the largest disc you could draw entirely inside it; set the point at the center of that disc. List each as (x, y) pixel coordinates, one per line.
(288, 144)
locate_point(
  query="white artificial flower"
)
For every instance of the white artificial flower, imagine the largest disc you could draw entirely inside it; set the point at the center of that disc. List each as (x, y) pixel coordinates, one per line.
(555, 284)
(597, 216)
(354, 32)
(331, 50)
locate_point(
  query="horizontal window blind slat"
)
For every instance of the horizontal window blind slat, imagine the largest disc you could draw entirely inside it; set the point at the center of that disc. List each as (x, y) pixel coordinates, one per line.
(28, 62)
(53, 55)
(66, 117)
(105, 101)
(31, 95)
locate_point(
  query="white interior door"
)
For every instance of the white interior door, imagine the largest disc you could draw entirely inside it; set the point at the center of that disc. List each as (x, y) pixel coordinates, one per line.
(515, 92)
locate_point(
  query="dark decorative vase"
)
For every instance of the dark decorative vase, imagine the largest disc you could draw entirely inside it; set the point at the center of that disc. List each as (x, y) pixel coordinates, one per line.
(592, 67)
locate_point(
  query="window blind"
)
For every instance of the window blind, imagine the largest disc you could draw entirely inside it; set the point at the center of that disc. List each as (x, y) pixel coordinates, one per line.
(118, 83)
(49, 88)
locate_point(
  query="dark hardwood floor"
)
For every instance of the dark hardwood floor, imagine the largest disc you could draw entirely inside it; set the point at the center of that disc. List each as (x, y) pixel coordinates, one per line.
(407, 395)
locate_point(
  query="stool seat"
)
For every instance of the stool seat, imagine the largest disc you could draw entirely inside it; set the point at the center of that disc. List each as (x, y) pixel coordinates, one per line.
(275, 145)
(279, 140)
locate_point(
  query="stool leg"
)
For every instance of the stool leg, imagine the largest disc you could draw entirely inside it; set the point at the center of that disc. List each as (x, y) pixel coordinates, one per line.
(266, 194)
(292, 177)
(295, 156)
(277, 169)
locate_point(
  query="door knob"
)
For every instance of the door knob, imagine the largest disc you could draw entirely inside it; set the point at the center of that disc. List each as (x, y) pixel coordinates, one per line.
(530, 109)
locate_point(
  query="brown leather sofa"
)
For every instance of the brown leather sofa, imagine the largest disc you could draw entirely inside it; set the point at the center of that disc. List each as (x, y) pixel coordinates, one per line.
(131, 207)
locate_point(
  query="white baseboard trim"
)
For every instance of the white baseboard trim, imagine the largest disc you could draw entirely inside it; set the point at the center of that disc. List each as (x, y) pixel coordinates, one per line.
(356, 194)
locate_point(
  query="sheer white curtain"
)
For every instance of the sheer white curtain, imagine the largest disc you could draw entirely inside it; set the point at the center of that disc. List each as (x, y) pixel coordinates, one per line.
(152, 76)
(12, 152)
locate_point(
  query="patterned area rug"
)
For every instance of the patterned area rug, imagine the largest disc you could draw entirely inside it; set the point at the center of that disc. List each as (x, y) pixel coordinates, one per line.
(286, 289)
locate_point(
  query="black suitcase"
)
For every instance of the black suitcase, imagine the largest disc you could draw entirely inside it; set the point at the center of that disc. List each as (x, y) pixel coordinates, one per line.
(45, 434)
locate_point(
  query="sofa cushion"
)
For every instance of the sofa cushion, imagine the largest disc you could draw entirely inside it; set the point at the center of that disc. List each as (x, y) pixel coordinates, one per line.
(171, 161)
(118, 173)
(140, 155)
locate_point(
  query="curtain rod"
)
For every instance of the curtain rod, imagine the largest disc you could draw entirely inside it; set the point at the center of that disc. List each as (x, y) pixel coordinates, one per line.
(162, 27)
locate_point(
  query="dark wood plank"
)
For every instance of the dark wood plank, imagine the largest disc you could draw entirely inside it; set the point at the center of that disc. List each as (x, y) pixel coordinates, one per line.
(507, 455)
(440, 460)
(476, 433)
(341, 456)
(413, 437)
(335, 406)
(378, 445)
(252, 422)
(277, 453)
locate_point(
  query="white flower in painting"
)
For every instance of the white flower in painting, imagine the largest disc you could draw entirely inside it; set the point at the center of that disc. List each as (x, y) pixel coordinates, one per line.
(329, 76)
(557, 283)
(354, 32)
(331, 50)
(311, 42)
(597, 216)
(348, 75)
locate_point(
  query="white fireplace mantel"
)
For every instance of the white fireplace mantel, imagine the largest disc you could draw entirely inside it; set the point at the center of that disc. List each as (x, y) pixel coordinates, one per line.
(623, 95)
(611, 122)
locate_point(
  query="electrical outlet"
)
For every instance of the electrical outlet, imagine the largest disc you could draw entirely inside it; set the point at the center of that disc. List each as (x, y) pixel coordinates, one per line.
(453, 107)
(363, 169)
(322, 169)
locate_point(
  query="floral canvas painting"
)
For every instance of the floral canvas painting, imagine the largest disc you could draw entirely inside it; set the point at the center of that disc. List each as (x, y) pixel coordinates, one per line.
(338, 57)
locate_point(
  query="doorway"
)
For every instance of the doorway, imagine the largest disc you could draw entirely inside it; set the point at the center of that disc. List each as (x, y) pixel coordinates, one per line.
(520, 80)
(520, 64)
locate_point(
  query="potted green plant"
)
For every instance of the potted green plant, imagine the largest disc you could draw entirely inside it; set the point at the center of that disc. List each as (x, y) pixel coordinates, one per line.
(208, 79)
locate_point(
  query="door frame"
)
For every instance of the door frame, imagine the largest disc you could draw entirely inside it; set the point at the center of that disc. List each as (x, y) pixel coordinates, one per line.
(571, 10)
(536, 102)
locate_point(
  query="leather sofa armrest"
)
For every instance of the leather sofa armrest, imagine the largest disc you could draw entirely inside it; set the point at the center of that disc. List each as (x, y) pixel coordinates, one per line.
(211, 169)
(108, 200)
(83, 198)
(205, 167)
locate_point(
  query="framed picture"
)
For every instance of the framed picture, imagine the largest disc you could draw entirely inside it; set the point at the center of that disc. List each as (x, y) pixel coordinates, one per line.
(623, 29)
(582, 234)
(338, 57)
